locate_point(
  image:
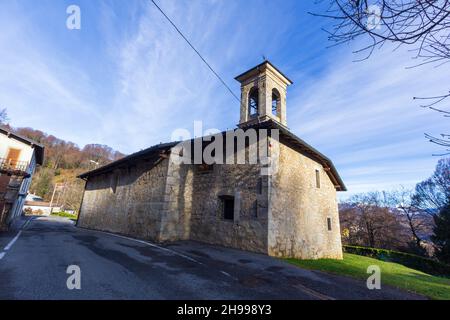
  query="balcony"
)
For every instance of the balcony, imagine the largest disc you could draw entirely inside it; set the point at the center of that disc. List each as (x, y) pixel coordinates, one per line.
(13, 167)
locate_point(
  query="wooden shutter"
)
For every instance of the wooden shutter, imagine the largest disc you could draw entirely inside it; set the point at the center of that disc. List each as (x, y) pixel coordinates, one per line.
(13, 156)
(317, 179)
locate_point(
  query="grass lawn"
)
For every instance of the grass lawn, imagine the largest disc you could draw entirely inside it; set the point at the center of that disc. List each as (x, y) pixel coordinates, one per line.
(65, 215)
(392, 274)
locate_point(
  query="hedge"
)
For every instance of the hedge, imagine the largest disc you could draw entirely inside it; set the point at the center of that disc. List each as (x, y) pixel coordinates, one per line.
(65, 214)
(409, 260)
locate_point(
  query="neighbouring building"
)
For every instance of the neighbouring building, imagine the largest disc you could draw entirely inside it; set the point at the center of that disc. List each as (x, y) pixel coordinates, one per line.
(285, 206)
(18, 159)
(37, 206)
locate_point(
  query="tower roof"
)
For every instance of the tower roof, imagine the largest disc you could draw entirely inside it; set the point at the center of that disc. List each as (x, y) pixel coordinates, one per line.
(258, 69)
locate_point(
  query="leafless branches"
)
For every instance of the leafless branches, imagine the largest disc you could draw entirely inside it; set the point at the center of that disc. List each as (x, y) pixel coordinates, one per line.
(444, 139)
(367, 220)
(3, 116)
(403, 200)
(423, 25)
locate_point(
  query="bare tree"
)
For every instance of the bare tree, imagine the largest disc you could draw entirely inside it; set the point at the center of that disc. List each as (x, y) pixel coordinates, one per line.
(418, 223)
(71, 199)
(423, 25)
(433, 194)
(370, 222)
(3, 116)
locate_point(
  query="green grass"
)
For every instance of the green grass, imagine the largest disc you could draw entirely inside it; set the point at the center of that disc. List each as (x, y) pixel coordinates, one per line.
(65, 215)
(392, 274)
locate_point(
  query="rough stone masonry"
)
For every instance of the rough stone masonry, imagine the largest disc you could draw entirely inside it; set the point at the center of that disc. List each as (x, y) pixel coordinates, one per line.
(291, 212)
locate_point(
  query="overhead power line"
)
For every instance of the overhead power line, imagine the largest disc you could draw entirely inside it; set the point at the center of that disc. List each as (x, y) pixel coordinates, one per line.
(196, 51)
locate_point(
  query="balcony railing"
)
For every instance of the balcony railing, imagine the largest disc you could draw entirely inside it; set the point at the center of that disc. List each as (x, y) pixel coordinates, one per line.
(10, 165)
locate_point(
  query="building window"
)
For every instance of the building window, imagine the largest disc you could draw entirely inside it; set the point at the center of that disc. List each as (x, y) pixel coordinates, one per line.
(228, 207)
(255, 209)
(253, 102)
(275, 102)
(317, 179)
(11, 162)
(329, 224)
(259, 185)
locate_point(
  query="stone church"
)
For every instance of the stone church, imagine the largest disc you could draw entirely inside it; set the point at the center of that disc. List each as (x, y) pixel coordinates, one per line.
(289, 212)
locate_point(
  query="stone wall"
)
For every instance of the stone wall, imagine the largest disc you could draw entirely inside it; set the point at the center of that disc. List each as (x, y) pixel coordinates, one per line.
(178, 197)
(177, 202)
(248, 231)
(136, 206)
(282, 215)
(299, 210)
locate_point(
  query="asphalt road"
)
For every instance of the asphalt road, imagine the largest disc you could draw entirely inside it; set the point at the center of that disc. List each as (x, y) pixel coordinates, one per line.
(34, 264)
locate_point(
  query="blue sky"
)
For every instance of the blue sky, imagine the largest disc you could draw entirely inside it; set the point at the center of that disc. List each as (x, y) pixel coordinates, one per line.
(127, 79)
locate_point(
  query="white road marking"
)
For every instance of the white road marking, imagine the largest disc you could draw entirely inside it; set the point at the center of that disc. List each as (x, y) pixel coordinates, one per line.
(163, 249)
(313, 293)
(228, 275)
(309, 291)
(26, 223)
(154, 246)
(11, 243)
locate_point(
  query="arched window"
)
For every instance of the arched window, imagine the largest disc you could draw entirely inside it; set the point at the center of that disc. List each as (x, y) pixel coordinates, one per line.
(253, 104)
(275, 102)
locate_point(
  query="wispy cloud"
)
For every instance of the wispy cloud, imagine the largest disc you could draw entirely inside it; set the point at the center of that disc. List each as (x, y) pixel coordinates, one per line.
(37, 87)
(161, 84)
(363, 115)
(128, 80)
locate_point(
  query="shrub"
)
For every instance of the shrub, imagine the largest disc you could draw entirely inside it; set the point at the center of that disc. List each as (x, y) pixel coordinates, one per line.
(65, 215)
(410, 260)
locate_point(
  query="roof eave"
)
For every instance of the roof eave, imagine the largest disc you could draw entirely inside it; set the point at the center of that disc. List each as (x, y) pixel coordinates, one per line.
(39, 148)
(242, 77)
(157, 149)
(325, 161)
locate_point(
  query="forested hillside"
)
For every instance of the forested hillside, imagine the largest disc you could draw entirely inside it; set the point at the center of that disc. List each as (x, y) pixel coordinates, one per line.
(63, 161)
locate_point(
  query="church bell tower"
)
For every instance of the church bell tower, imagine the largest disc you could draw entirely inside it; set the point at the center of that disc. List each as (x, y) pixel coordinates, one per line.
(263, 95)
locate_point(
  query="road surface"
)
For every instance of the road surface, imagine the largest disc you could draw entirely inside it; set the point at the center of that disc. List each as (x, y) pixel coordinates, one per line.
(34, 261)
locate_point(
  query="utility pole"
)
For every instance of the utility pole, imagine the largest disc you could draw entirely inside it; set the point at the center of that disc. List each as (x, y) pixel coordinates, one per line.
(57, 199)
(61, 194)
(53, 196)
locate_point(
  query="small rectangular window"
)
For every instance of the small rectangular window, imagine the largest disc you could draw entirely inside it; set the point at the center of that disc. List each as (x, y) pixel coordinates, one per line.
(228, 207)
(317, 179)
(259, 185)
(255, 209)
(329, 224)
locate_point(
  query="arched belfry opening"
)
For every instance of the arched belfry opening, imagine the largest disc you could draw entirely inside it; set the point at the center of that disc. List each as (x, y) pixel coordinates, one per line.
(276, 103)
(263, 95)
(253, 102)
